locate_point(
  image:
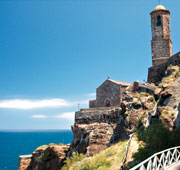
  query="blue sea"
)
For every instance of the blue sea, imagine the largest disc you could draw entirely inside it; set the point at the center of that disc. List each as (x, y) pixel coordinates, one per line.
(15, 143)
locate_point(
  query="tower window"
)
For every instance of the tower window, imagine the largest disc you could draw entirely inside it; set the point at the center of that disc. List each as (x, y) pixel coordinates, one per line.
(159, 23)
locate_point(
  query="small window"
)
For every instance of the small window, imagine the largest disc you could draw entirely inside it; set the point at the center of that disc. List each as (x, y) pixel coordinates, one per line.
(159, 21)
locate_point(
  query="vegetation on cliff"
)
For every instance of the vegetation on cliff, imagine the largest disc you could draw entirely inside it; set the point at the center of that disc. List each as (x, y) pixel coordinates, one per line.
(108, 159)
(153, 116)
(155, 138)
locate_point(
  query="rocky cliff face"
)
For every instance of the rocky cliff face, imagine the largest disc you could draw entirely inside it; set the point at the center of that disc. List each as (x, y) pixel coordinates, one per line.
(24, 162)
(44, 158)
(168, 93)
(96, 129)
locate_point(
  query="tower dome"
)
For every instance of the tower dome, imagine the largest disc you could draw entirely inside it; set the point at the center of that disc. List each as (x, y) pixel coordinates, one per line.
(160, 7)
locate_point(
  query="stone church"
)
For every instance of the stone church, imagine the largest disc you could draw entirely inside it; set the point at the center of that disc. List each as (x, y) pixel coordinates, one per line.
(110, 92)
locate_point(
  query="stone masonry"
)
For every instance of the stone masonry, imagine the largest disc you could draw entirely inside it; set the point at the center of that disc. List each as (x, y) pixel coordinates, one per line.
(156, 73)
(109, 94)
(161, 43)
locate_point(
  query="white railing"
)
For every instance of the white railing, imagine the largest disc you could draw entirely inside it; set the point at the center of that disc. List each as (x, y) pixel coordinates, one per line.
(161, 160)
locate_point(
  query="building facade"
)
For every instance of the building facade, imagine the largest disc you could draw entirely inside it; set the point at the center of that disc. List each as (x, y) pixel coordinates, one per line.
(109, 94)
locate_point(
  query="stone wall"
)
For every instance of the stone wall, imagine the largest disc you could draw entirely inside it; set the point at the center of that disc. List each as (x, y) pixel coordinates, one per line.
(156, 73)
(147, 88)
(161, 51)
(104, 115)
(24, 162)
(92, 103)
(108, 92)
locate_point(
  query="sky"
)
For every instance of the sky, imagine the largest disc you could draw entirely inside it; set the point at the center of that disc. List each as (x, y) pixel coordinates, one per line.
(55, 53)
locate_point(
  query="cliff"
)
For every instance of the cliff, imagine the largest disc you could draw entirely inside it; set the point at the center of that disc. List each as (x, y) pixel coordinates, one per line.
(45, 157)
(168, 92)
(97, 129)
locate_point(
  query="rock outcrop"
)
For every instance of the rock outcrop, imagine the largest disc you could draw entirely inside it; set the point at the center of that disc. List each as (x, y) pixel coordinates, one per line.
(24, 162)
(45, 158)
(168, 93)
(96, 129)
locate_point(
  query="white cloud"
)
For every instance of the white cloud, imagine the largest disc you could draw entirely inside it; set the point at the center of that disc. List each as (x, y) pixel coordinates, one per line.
(91, 94)
(34, 104)
(40, 116)
(66, 115)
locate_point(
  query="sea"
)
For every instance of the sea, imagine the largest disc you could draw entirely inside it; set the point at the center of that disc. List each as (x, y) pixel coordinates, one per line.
(24, 142)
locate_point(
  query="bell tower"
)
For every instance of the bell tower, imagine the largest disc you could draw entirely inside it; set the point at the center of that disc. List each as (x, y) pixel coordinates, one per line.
(161, 44)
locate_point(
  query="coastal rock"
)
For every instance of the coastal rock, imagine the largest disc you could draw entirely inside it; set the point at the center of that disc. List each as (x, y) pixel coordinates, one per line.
(48, 157)
(24, 162)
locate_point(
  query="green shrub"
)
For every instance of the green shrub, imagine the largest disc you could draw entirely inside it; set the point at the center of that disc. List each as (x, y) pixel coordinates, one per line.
(178, 74)
(41, 157)
(156, 137)
(145, 94)
(100, 162)
(42, 147)
(109, 154)
(76, 157)
(165, 111)
(175, 106)
(151, 99)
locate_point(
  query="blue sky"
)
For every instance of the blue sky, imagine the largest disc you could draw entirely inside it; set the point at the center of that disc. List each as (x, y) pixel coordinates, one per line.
(55, 53)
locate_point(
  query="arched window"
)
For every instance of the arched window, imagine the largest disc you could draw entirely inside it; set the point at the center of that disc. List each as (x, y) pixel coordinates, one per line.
(159, 22)
(107, 103)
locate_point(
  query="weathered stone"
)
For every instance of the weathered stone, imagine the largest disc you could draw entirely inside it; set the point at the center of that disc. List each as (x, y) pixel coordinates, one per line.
(164, 85)
(167, 120)
(149, 106)
(166, 93)
(94, 149)
(166, 101)
(136, 104)
(160, 109)
(156, 73)
(143, 100)
(143, 87)
(24, 162)
(157, 91)
(109, 94)
(50, 157)
(86, 138)
(133, 118)
(161, 43)
(172, 70)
